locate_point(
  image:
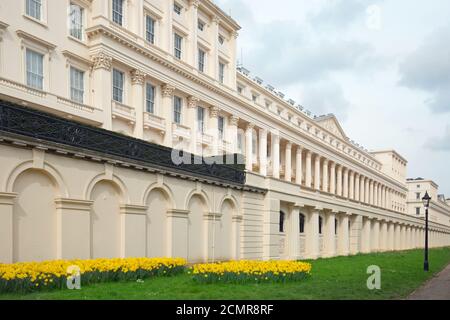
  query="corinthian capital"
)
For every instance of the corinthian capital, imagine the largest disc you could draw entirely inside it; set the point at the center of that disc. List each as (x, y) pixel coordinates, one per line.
(195, 3)
(102, 61)
(167, 90)
(234, 120)
(214, 112)
(137, 77)
(193, 102)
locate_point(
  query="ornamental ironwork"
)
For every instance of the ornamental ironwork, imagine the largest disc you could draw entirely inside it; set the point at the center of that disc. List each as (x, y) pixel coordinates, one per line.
(43, 126)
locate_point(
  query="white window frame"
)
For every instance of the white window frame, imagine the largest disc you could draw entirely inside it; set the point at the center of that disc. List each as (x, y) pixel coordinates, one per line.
(175, 35)
(43, 17)
(221, 133)
(124, 13)
(205, 62)
(77, 68)
(154, 97)
(222, 73)
(174, 111)
(32, 50)
(201, 23)
(179, 6)
(123, 85)
(83, 21)
(200, 122)
(155, 22)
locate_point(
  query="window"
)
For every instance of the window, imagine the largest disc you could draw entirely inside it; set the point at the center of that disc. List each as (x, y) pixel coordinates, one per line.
(150, 29)
(302, 223)
(418, 211)
(35, 69)
(177, 8)
(117, 11)
(76, 85)
(76, 21)
(221, 40)
(221, 72)
(201, 60)
(118, 82)
(336, 226)
(200, 119)
(150, 98)
(417, 195)
(177, 105)
(221, 122)
(240, 89)
(281, 222)
(178, 41)
(254, 144)
(320, 224)
(34, 9)
(201, 25)
(254, 97)
(240, 142)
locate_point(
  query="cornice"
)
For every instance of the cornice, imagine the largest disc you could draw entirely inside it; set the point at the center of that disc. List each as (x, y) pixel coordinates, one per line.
(27, 36)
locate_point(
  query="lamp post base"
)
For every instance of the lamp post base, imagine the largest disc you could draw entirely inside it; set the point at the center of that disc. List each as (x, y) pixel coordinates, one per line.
(425, 266)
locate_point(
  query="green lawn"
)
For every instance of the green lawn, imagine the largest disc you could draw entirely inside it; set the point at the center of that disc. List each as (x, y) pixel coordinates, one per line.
(335, 278)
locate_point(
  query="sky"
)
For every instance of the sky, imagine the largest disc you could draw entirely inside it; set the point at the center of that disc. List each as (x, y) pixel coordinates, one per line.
(381, 66)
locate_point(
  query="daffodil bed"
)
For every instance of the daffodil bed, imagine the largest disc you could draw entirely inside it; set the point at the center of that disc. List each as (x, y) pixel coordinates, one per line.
(30, 276)
(251, 271)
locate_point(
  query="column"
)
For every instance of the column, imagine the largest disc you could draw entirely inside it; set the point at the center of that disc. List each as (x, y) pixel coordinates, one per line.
(288, 162)
(236, 221)
(325, 176)
(133, 221)
(191, 115)
(339, 181)
(375, 243)
(232, 132)
(352, 186)
(167, 94)
(6, 227)
(402, 237)
(343, 235)
(137, 99)
(193, 25)
(362, 195)
(357, 187)
(346, 193)
(214, 60)
(371, 192)
(102, 86)
(366, 236)
(312, 235)
(213, 129)
(308, 179)
(333, 178)
(166, 27)
(249, 147)
(293, 240)
(386, 205)
(367, 191)
(375, 193)
(384, 236)
(73, 222)
(275, 156)
(329, 235)
(391, 236)
(317, 172)
(398, 237)
(263, 152)
(298, 166)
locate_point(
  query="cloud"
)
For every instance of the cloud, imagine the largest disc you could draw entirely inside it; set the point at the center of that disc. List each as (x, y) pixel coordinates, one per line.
(428, 69)
(442, 143)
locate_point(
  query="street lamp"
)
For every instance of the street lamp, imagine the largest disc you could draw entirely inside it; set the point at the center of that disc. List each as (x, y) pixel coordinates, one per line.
(426, 203)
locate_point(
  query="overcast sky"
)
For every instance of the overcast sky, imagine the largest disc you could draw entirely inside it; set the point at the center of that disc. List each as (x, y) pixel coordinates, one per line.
(381, 66)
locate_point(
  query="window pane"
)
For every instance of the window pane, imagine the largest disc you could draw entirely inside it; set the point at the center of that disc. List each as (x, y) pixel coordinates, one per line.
(177, 110)
(76, 21)
(201, 60)
(177, 45)
(150, 98)
(117, 13)
(221, 72)
(33, 8)
(150, 29)
(35, 67)
(200, 119)
(220, 126)
(76, 85)
(118, 81)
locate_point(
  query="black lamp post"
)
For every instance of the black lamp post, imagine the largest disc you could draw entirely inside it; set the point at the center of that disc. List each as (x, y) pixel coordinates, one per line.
(426, 203)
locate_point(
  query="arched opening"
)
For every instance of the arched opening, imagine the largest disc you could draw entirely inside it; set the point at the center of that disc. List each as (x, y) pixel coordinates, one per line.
(105, 220)
(196, 238)
(302, 223)
(281, 222)
(223, 232)
(158, 204)
(34, 217)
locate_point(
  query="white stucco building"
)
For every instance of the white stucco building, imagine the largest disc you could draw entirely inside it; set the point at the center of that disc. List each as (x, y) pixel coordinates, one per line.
(163, 71)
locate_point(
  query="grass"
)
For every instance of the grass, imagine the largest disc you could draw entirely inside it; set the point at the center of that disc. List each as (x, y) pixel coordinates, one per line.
(334, 278)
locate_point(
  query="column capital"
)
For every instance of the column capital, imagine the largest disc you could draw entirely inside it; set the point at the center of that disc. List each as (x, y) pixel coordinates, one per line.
(102, 61)
(235, 34)
(326, 161)
(194, 3)
(289, 145)
(250, 126)
(216, 20)
(137, 77)
(309, 153)
(192, 102)
(167, 90)
(214, 112)
(234, 120)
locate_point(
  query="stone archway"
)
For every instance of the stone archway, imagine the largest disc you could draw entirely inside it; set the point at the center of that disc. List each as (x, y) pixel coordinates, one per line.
(196, 238)
(158, 204)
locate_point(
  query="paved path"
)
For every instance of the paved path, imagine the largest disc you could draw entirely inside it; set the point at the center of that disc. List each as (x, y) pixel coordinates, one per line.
(438, 288)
